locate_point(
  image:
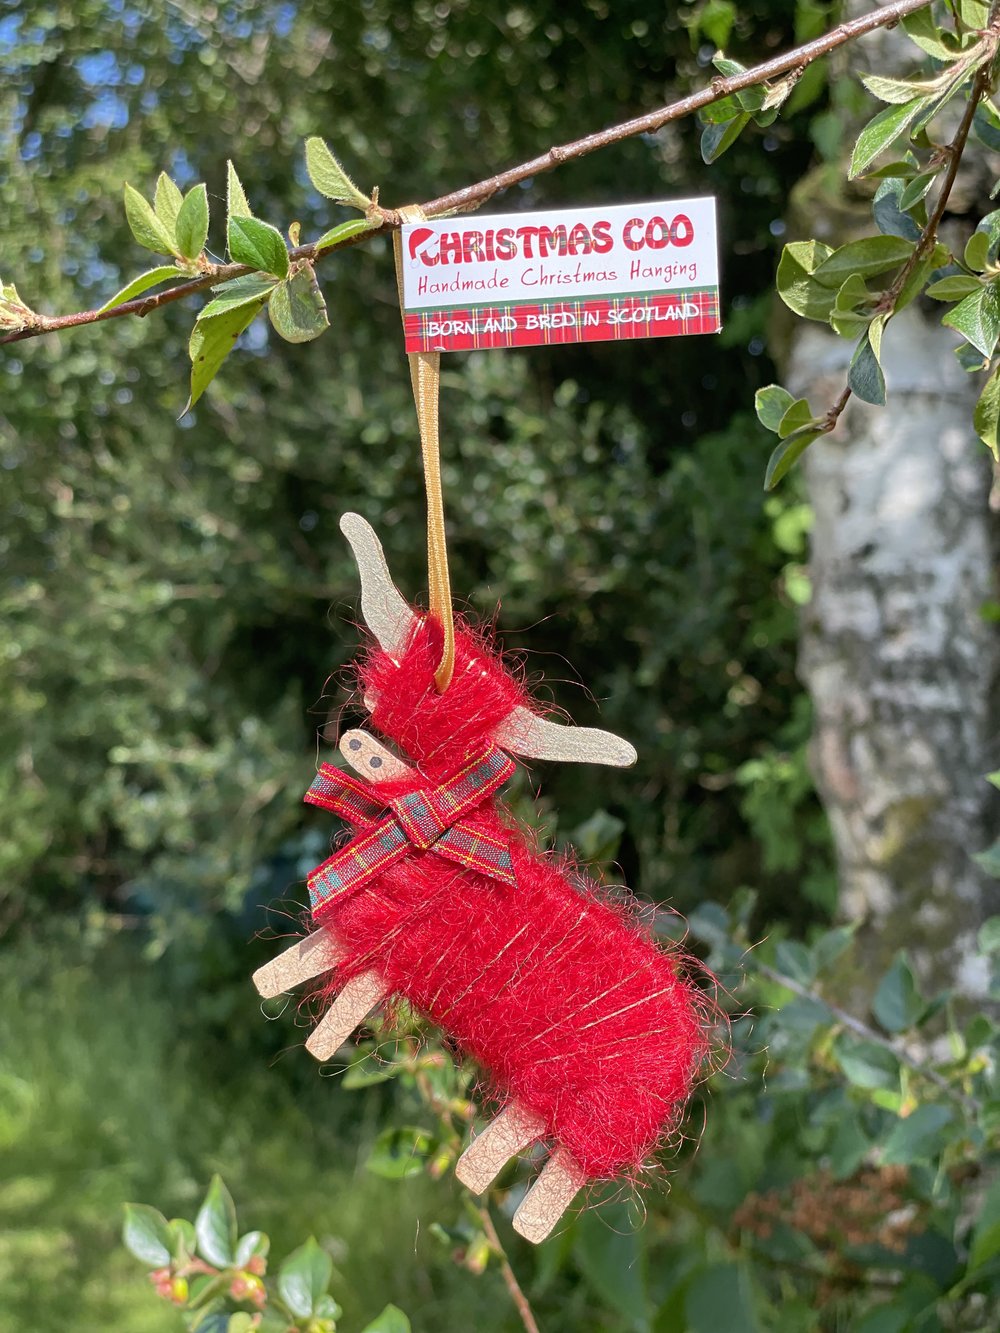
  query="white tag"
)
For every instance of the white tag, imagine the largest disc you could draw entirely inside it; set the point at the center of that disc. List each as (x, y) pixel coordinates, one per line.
(569, 275)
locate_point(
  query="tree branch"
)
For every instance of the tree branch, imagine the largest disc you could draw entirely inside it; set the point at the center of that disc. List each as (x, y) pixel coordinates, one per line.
(517, 1295)
(473, 196)
(971, 1105)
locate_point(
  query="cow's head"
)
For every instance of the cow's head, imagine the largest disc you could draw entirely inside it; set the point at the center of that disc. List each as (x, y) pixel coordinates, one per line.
(484, 702)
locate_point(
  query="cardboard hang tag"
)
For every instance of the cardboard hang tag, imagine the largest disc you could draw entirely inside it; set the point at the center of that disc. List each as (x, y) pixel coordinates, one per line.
(569, 275)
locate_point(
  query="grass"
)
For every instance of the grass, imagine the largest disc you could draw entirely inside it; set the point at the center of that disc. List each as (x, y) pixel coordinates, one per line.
(109, 1092)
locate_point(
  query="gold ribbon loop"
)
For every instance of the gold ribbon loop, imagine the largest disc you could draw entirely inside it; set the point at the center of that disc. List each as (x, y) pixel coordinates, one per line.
(425, 375)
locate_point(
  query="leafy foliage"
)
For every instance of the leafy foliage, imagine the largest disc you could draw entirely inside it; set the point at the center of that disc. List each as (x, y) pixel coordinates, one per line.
(218, 1278)
(907, 251)
(165, 589)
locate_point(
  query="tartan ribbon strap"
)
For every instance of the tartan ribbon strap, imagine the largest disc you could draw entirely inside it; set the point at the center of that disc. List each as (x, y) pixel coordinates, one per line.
(428, 819)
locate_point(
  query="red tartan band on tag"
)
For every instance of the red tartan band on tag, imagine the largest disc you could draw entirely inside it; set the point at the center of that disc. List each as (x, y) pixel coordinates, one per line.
(428, 819)
(662, 314)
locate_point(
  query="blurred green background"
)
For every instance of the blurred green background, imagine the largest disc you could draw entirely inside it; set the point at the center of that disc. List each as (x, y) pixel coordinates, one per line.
(178, 604)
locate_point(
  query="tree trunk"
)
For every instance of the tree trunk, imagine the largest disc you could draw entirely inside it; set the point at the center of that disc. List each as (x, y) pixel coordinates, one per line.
(896, 653)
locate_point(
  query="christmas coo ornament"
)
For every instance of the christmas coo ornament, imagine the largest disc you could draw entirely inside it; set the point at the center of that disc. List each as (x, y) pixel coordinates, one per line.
(588, 1033)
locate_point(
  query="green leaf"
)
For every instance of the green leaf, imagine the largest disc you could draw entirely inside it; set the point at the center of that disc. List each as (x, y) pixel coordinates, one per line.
(343, 231)
(192, 223)
(297, 309)
(977, 319)
(989, 935)
(917, 1137)
(986, 127)
(906, 168)
(718, 112)
(976, 251)
(797, 415)
(183, 1240)
(793, 959)
(326, 1308)
(990, 227)
(852, 293)
(849, 1146)
(919, 274)
(879, 133)
(215, 1322)
(402, 1152)
(211, 342)
(330, 178)
(236, 200)
(953, 288)
(151, 278)
(916, 189)
(832, 944)
(304, 1277)
(788, 452)
(238, 291)
(391, 1320)
(889, 214)
(253, 1245)
(609, 1254)
(900, 91)
(986, 419)
(797, 287)
(771, 403)
(973, 13)
(258, 244)
(146, 1234)
(863, 259)
(715, 139)
(146, 227)
(970, 360)
(720, 1300)
(922, 29)
(866, 1064)
(865, 378)
(241, 1322)
(167, 201)
(898, 1004)
(990, 859)
(986, 1236)
(749, 99)
(215, 1225)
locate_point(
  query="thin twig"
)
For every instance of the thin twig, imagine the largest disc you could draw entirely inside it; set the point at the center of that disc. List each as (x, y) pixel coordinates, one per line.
(971, 1105)
(928, 235)
(509, 1276)
(472, 196)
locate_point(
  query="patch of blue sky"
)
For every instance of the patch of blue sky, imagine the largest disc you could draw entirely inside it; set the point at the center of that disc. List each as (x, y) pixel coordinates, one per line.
(9, 33)
(107, 111)
(100, 69)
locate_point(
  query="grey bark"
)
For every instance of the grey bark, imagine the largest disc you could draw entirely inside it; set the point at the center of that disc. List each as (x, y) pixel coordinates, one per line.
(895, 651)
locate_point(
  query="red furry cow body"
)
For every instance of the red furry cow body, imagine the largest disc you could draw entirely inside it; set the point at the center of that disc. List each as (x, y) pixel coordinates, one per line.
(583, 1024)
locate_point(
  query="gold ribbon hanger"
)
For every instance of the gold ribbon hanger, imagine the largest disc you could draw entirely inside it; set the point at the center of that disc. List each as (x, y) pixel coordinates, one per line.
(425, 375)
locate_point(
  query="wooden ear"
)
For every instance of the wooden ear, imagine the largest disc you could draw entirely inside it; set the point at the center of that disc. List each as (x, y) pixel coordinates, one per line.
(383, 607)
(371, 759)
(537, 737)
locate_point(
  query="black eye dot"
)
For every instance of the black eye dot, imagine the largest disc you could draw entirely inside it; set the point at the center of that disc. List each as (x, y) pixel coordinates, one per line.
(375, 761)
(355, 744)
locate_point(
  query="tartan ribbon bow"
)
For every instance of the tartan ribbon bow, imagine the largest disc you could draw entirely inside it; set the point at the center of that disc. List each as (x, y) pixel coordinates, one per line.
(427, 819)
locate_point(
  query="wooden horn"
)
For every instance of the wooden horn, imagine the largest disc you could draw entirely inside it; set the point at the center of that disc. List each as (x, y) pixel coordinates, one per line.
(383, 607)
(536, 737)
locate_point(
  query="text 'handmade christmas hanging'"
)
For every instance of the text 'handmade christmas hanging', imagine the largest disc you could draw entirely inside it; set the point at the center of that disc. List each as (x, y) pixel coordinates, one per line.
(573, 275)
